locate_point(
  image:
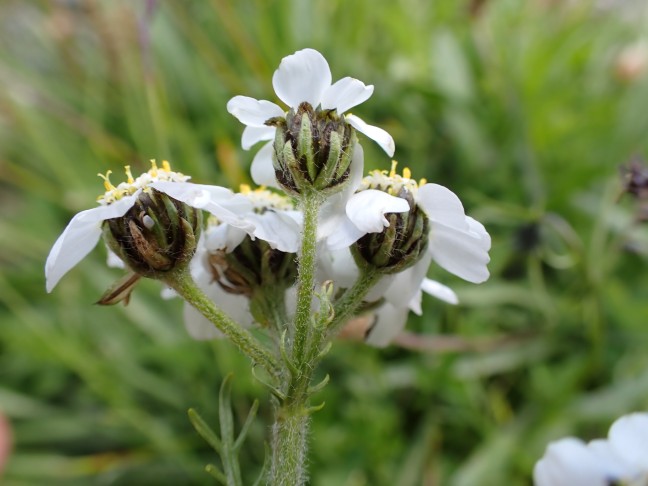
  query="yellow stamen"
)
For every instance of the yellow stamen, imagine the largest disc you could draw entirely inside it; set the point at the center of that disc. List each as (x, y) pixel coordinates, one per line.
(407, 174)
(154, 168)
(245, 189)
(392, 172)
(422, 182)
(107, 184)
(129, 175)
(166, 166)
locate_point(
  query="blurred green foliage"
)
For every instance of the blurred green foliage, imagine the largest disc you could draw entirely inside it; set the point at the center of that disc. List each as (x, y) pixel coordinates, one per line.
(524, 109)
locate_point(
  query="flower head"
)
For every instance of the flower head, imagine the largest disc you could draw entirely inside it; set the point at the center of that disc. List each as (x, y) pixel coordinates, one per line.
(84, 230)
(242, 270)
(456, 242)
(303, 79)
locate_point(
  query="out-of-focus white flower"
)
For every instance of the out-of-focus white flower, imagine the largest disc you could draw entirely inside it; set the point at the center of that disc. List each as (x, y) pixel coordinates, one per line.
(621, 459)
(84, 230)
(304, 76)
(456, 242)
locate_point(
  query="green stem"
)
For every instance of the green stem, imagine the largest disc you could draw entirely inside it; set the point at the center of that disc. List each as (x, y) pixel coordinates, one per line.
(289, 446)
(290, 430)
(352, 298)
(182, 283)
(305, 286)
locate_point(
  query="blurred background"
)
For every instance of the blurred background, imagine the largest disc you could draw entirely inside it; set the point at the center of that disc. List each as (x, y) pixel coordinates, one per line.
(527, 110)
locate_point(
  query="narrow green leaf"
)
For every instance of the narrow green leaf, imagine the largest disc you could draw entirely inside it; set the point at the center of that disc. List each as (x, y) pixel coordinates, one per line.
(216, 473)
(246, 426)
(204, 430)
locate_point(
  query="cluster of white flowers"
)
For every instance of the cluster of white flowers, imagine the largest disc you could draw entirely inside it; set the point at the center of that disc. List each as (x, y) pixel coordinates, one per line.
(621, 459)
(442, 233)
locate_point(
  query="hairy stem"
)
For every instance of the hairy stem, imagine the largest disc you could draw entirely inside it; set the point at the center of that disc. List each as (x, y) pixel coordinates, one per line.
(305, 286)
(182, 283)
(290, 445)
(290, 430)
(352, 298)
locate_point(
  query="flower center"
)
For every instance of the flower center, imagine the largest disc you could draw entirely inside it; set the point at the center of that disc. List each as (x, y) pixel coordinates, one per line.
(263, 199)
(391, 182)
(123, 189)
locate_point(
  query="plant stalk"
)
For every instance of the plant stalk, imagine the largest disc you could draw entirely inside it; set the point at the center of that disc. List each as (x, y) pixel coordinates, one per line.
(290, 430)
(182, 283)
(352, 298)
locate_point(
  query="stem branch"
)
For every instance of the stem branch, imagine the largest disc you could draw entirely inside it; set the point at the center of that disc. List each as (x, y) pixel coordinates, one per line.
(182, 283)
(352, 298)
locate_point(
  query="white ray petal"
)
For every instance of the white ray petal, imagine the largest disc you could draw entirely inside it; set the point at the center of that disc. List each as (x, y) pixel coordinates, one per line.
(615, 465)
(252, 135)
(80, 237)
(407, 283)
(112, 260)
(346, 233)
(367, 209)
(337, 265)
(252, 112)
(195, 195)
(440, 291)
(223, 237)
(477, 229)
(281, 229)
(569, 462)
(629, 437)
(442, 205)
(302, 76)
(378, 135)
(460, 252)
(262, 170)
(390, 321)
(219, 201)
(346, 93)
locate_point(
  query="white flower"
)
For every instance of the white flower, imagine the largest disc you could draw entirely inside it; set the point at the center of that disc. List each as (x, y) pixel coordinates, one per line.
(274, 217)
(304, 76)
(457, 242)
(84, 230)
(621, 459)
(276, 222)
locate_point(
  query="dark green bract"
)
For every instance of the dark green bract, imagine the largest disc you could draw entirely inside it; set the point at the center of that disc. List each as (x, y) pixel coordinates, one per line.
(157, 235)
(313, 149)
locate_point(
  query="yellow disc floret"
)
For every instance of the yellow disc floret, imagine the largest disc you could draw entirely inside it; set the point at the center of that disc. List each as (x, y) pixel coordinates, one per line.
(262, 199)
(132, 185)
(391, 182)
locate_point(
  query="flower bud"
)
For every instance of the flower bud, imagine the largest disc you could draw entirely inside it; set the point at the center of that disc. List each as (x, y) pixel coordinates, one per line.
(400, 245)
(252, 266)
(313, 149)
(157, 235)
